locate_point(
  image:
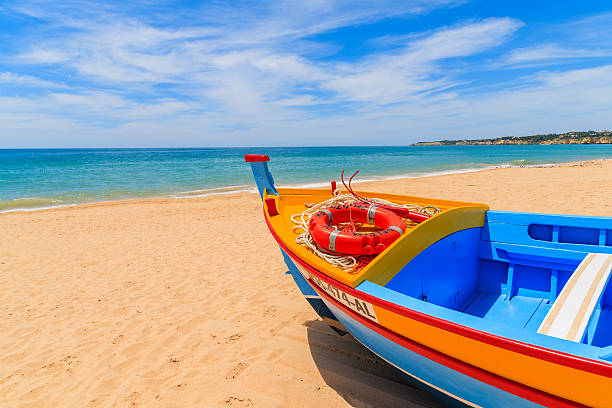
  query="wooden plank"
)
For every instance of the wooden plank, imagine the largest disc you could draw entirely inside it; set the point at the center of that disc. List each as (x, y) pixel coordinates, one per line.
(569, 316)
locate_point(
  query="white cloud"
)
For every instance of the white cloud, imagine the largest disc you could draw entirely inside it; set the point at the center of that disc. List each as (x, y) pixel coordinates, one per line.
(38, 55)
(464, 40)
(548, 53)
(405, 75)
(240, 76)
(93, 107)
(14, 79)
(584, 38)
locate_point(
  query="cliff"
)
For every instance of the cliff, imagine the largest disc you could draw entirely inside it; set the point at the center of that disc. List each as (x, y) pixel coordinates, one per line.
(587, 137)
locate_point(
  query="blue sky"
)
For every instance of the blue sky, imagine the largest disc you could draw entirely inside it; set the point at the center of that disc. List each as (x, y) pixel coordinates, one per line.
(267, 73)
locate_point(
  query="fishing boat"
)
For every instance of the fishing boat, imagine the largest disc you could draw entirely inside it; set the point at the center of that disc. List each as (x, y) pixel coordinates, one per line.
(481, 308)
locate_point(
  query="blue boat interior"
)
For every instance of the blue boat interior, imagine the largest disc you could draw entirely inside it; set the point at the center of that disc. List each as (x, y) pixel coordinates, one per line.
(512, 270)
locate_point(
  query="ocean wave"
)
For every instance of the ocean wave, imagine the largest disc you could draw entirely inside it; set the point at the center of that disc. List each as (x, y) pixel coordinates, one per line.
(25, 203)
(214, 191)
(70, 199)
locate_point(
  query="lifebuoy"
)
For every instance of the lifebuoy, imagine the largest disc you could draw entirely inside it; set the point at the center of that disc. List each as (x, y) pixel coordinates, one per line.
(355, 243)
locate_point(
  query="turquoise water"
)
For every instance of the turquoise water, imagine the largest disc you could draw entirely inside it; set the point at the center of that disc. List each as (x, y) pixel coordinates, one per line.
(50, 177)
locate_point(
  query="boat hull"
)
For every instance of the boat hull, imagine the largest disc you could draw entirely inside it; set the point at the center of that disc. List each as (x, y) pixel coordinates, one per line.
(431, 339)
(443, 382)
(467, 385)
(438, 373)
(447, 384)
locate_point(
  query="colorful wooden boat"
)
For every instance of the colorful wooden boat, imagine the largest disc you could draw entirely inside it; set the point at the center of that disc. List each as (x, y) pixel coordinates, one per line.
(483, 308)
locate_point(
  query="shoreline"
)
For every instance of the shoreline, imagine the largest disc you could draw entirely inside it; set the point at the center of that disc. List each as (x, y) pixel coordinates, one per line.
(253, 190)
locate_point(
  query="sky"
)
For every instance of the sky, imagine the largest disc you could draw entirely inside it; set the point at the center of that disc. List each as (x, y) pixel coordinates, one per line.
(299, 73)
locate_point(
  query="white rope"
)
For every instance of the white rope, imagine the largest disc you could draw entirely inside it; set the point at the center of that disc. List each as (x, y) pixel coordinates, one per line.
(344, 262)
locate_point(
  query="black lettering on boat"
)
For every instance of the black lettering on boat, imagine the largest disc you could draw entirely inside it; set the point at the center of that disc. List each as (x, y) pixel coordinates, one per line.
(356, 305)
(359, 307)
(367, 308)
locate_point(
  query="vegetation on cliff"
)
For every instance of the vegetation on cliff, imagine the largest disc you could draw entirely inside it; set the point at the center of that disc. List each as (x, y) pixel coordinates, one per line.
(586, 137)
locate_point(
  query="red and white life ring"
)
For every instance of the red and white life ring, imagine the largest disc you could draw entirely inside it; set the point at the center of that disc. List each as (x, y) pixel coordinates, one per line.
(355, 243)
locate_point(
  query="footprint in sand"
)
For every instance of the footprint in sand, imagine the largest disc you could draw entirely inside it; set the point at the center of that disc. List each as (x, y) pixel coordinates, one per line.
(118, 339)
(233, 338)
(235, 402)
(132, 399)
(271, 310)
(67, 363)
(236, 371)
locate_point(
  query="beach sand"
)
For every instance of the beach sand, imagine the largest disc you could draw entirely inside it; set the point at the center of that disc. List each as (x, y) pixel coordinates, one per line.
(183, 302)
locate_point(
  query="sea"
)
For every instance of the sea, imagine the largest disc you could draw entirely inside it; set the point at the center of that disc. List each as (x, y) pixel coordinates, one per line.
(42, 178)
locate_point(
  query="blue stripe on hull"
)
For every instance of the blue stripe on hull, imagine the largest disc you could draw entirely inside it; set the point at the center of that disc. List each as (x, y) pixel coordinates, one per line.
(309, 293)
(319, 306)
(431, 375)
(301, 283)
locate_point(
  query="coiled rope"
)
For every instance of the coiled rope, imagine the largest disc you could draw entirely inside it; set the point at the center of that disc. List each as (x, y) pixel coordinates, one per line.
(345, 262)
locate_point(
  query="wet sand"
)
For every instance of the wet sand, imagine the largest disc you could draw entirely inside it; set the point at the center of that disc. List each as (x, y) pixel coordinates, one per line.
(172, 303)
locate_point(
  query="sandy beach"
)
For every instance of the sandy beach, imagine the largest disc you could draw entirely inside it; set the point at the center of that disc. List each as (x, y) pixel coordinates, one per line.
(183, 302)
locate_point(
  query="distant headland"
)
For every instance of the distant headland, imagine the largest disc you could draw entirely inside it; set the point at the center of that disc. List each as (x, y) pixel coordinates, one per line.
(586, 137)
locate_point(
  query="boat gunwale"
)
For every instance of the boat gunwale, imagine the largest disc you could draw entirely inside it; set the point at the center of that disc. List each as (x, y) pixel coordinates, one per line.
(531, 350)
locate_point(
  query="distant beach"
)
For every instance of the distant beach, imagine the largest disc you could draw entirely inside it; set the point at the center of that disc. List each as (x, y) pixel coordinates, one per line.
(44, 178)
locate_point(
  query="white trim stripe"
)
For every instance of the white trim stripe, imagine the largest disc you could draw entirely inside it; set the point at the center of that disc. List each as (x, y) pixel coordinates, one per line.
(570, 314)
